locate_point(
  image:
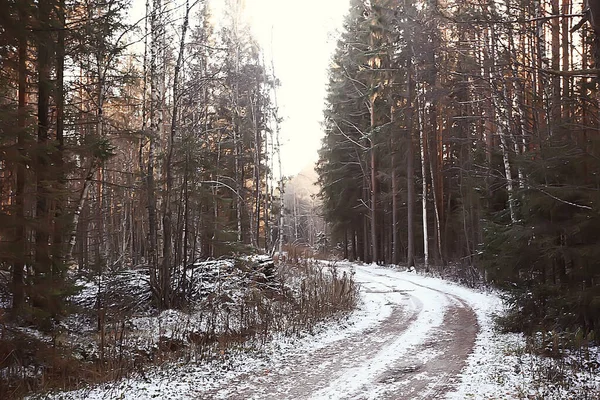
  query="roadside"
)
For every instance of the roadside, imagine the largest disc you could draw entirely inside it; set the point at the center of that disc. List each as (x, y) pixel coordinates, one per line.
(411, 337)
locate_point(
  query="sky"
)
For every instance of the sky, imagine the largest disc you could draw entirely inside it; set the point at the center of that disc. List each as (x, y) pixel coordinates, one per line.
(301, 36)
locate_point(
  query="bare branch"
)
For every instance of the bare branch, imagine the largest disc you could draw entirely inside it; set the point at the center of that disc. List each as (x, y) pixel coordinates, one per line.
(580, 72)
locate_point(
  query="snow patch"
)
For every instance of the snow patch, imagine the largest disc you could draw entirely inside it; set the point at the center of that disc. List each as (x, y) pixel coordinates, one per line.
(498, 367)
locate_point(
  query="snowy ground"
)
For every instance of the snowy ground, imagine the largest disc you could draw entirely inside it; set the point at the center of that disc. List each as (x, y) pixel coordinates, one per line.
(412, 337)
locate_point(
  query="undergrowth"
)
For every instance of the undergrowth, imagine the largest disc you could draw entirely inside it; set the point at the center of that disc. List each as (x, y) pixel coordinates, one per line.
(235, 311)
(558, 366)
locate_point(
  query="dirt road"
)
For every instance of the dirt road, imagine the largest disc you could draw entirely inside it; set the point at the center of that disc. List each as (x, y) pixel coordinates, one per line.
(414, 350)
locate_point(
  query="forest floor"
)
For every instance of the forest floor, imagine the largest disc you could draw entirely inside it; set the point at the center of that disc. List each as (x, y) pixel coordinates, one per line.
(412, 337)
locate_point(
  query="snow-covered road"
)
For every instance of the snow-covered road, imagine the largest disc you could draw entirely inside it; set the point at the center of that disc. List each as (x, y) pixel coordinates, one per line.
(412, 337)
(412, 342)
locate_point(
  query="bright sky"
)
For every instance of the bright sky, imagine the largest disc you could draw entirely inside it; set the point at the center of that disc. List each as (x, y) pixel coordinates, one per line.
(300, 35)
(303, 34)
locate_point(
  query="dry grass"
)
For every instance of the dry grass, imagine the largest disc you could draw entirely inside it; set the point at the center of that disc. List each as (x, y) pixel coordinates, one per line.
(559, 365)
(296, 253)
(302, 295)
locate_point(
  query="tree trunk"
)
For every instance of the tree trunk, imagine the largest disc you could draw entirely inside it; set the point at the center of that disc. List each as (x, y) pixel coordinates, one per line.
(410, 173)
(18, 288)
(395, 210)
(374, 186)
(58, 259)
(436, 204)
(156, 125)
(77, 214)
(556, 92)
(257, 184)
(42, 256)
(167, 261)
(422, 145)
(502, 105)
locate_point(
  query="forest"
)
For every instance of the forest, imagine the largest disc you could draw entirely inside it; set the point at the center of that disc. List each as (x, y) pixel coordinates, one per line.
(135, 138)
(151, 142)
(463, 135)
(460, 138)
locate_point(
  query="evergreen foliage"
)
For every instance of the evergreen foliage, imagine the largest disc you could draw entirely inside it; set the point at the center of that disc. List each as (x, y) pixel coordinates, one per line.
(479, 113)
(117, 153)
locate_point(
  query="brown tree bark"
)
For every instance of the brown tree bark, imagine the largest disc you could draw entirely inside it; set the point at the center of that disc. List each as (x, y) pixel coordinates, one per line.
(58, 250)
(156, 127)
(18, 272)
(43, 267)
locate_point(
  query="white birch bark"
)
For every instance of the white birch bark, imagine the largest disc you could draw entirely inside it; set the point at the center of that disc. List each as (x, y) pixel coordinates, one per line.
(281, 180)
(156, 130)
(235, 127)
(422, 144)
(503, 124)
(77, 214)
(167, 262)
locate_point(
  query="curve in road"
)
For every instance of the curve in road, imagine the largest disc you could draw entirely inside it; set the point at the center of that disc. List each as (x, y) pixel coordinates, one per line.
(416, 350)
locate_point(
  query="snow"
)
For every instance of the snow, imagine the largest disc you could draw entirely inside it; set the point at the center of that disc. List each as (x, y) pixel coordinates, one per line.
(501, 368)
(430, 317)
(497, 368)
(5, 294)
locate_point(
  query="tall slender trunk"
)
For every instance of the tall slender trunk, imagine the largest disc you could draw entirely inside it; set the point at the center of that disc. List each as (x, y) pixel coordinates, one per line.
(268, 188)
(167, 225)
(502, 105)
(556, 87)
(295, 210)
(515, 104)
(61, 183)
(237, 165)
(541, 114)
(156, 125)
(18, 288)
(436, 212)
(280, 168)
(422, 145)
(215, 191)
(508, 173)
(186, 228)
(374, 186)
(142, 143)
(43, 129)
(281, 191)
(565, 47)
(43, 269)
(237, 142)
(395, 245)
(365, 234)
(410, 170)
(257, 184)
(238, 184)
(432, 145)
(77, 213)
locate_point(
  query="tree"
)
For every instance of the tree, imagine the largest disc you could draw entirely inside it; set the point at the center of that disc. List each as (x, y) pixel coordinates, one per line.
(497, 104)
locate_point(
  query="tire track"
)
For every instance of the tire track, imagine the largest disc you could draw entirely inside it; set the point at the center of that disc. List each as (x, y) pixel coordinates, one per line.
(415, 352)
(306, 373)
(360, 381)
(452, 342)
